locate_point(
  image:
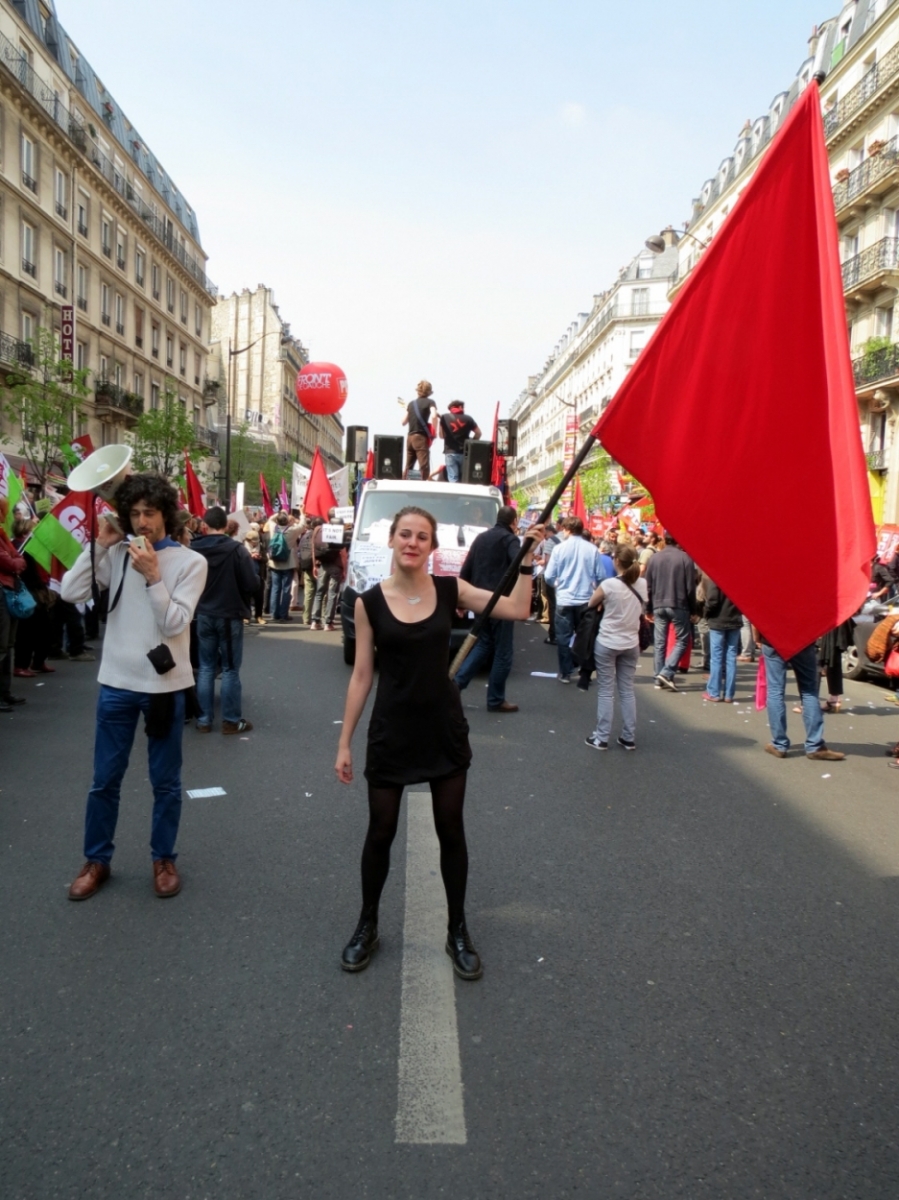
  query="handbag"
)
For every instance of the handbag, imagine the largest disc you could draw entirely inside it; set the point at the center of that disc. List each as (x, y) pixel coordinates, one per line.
(891, 666)
(761, 686)
(585, 636)
(20, 603)
(645, 630)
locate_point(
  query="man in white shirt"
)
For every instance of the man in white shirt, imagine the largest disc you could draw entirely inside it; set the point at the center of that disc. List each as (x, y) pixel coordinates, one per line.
(154, 586)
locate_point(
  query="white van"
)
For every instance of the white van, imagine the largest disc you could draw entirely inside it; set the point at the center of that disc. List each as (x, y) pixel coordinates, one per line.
(461, 511)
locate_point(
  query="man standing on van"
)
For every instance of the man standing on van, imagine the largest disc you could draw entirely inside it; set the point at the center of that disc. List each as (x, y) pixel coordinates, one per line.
(457, 427)
(418, 440)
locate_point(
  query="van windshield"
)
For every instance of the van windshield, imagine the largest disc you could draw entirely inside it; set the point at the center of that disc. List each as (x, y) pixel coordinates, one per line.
(459, 518)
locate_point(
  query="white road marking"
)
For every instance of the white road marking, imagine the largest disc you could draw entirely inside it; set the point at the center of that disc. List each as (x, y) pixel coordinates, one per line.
(203, 793)
(430, 1109)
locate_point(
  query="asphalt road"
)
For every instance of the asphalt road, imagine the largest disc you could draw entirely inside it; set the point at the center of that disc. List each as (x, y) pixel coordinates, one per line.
(690, 952)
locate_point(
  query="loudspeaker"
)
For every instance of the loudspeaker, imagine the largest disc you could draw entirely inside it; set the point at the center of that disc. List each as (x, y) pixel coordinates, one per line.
(478, 461)
(356, 444)
(101, 472)
(507, 438)
(389, 456)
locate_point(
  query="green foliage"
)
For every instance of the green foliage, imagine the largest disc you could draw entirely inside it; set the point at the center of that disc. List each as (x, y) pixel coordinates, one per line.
(521, 498)
(251, 457)
(594, 477)
(45, 402)
(162, 436)
(873, 344)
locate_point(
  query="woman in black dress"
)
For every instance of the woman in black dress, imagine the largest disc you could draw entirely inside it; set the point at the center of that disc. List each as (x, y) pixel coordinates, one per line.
(418, 732)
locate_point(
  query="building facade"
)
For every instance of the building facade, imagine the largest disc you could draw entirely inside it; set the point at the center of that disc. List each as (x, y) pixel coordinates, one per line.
(586, 368)
(89, 218)
(255, 360)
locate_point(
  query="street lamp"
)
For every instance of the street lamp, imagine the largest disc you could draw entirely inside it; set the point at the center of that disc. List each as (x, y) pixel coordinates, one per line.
(232, 354)
(658, 245)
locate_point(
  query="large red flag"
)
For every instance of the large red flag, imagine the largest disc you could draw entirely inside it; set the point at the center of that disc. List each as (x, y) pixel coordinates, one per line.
(267, 506)
(319, 496)
(196, 501)
(747, 381)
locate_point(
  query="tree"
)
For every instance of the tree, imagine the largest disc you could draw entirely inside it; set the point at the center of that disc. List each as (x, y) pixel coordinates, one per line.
(250, 458)
(162, 436)
(46, 402)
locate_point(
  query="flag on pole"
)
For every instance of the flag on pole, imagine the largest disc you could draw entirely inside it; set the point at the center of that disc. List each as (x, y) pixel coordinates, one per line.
(498, 466)
(319, 497)
(61, 535)
(778, 424)
(266, 498)
(196, 501)
(283, 497)
(578, 508)
(10, 489)
(369, 466)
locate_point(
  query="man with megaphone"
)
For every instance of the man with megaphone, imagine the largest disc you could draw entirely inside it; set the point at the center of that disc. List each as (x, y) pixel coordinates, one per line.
(154, 585)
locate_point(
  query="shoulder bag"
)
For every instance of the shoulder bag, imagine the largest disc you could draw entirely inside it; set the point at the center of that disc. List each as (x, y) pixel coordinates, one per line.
(645, 631)
(20, 603)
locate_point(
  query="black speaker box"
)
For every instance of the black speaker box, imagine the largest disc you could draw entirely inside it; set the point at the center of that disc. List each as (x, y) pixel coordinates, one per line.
(507, 438)
(389, 456)
(356, 443)
(478, 462)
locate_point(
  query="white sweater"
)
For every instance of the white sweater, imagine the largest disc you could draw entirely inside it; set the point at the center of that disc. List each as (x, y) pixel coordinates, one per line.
(144, 616)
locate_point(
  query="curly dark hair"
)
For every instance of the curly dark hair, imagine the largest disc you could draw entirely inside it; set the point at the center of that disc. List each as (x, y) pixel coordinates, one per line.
(155, 490)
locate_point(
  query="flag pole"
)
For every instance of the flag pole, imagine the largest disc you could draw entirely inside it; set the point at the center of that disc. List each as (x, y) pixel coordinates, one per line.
(512, 572)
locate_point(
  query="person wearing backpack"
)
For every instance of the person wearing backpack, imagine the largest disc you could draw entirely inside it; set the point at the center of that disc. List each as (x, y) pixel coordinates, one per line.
(328, 571)
(617, 648)
(282, 563)
(306, 564)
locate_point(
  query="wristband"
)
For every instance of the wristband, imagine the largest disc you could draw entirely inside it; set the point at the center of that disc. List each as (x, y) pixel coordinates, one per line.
(525, 570)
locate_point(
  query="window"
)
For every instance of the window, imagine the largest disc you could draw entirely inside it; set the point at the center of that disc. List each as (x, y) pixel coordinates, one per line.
(638, 340)
(82, 215)
(80, 356)
(29, 164)
(138, 384)
(117, 373)
(82, 287)
(183, 307)
(169, 352)
(891, 222)
(884, 322)
(154, 395)
(119, 314)
(639, 302)
(29, 249)
(29, 321)
(104, 303)
(154, 340)
(104, 367)
(139, 260)
(60, 193)
(197, 370)
(154, 281)
(59, 272)
(170, 294)
(644, 268)
(121, 245)
(182, 359)
(198, 320)
(106, 235)
(138, 327)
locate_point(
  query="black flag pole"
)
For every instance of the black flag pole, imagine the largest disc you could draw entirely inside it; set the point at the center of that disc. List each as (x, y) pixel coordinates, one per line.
(512, 572)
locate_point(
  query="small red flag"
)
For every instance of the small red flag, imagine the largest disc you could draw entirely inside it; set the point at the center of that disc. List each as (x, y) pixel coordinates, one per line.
(748, 378)
(196, 501)
(266, 498)
(498, 465)
(578, 508)
(369, 466)
(319, 496)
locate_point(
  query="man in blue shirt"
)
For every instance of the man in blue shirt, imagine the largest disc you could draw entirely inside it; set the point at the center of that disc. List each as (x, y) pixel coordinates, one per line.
(575, 570)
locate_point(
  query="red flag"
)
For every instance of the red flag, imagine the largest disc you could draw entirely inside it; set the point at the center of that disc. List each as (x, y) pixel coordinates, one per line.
(283, 498)
(319, 496)
(748, 376)
(369, 466)
(498, 466)
(578, 508)
(196, 501)
(266, 498)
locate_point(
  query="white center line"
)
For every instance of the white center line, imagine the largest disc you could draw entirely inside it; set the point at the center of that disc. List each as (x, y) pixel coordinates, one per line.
(430, 1109)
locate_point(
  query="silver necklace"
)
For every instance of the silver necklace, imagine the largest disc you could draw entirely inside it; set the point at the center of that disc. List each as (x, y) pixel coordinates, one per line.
(414, 599)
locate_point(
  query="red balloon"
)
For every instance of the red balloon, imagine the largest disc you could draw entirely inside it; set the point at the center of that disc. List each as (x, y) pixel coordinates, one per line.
(321, 388)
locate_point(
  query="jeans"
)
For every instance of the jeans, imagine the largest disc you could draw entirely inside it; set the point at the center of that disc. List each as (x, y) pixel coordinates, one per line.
(747, 641)
(328, 583)
(805, 668)
(663, 617)
(567, 617)
(615, 667)
(8, 627)
(496, 636)
(725, 644)
(281, 580)
(453, 464)
(219, 636)
(117, 716)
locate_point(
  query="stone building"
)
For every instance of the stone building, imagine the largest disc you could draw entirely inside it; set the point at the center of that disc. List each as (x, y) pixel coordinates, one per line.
(586, 368)
(90, 218)
(255, 360)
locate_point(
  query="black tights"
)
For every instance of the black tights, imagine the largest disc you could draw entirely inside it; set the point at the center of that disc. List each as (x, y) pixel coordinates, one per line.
(447, 799)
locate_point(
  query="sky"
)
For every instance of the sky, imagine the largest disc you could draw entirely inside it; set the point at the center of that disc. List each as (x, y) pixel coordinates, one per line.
(435, 190)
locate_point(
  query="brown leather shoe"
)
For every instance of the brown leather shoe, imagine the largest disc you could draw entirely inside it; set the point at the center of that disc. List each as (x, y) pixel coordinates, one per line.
(90, 879)
(166, 879)
(504, 707)
(825, 755)
(772, 749)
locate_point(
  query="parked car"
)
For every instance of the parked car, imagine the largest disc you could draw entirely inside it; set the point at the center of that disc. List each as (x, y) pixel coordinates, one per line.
(461, 510)
(856, 663)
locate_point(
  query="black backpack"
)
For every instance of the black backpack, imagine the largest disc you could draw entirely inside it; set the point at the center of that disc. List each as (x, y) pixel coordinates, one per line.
(304, 550)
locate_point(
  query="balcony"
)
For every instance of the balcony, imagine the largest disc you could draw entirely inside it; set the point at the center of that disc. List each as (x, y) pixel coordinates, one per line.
(29, 182)
(875, 175)
(120, 328)
(207, 437)
(139, 280)
(211, 391)
(29, 268)
(113, 401)
(120, 263)
(14, 351)
(107, 250)
(876, 460)
(82, 303)
(105, 318)
(848, 111)
(60, 289)
(870, 270)
(155, 352)
(62, 211)
(82, 229)
(138, 341)
(876, 365)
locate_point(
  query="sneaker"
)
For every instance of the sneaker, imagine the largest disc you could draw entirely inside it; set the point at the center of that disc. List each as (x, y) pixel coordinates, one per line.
(240, 726)
(665, 682)
(627, 745)
(84, 656)
(594, 741)
(564, 678)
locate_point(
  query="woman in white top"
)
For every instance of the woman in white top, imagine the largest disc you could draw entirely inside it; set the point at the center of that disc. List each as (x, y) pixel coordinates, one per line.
(617, 648)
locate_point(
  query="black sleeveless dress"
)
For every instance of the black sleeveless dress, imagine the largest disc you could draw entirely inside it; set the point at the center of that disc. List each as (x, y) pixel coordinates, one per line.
(417, 730)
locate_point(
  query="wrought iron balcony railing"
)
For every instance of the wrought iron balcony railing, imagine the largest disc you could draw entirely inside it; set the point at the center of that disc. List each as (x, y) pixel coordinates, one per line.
(12, 350)
(120, 328)
(110, 395)
(82, 303)
(29, 182)
(882, 256)
(62, 211)
(105, 318)
(61, 289)
(82, 229)
(856, 98)
(29, 268)
(876, 364)
(875, 167)
(107, 250)
(207, 437)
(876, 460)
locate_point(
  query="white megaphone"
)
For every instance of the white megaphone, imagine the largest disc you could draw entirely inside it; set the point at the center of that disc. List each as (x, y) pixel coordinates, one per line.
(101, 472)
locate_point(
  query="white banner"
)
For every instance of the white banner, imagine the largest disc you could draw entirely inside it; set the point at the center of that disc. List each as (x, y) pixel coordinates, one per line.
(299, 477)
(340, 485)
(333, 534)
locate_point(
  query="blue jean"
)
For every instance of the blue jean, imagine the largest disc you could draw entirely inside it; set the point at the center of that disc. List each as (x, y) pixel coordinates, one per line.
(662, 618)
(615, 669)
(219, 636)
(280, 601)
(496, 636)
(453, 464)
(117, 716)
(808, 676)
(567, 617)
(725, 645)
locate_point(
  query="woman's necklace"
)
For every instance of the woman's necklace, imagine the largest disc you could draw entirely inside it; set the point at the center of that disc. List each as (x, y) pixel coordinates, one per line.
(414, 599)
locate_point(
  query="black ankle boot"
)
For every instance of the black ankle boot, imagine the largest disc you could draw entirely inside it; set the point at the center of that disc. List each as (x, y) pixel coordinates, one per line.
(466, 962)
(357, 952)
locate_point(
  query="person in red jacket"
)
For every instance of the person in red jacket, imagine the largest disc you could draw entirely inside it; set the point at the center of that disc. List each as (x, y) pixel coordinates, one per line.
(12, 564)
